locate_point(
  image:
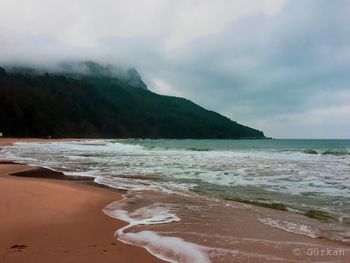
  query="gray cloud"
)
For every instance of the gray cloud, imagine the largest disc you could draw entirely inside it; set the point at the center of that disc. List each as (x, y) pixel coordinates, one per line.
(280, 67)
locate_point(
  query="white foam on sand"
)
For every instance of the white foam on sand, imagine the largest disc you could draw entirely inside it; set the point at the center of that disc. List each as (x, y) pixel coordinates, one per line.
(288, 226)
(171, 249)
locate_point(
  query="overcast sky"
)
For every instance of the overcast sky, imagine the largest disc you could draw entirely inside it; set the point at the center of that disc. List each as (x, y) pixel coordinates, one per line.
(282, 66)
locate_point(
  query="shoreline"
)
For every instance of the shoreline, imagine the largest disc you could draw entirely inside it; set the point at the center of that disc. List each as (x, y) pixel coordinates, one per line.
(50, 220)
(252, 238)
(9, 141)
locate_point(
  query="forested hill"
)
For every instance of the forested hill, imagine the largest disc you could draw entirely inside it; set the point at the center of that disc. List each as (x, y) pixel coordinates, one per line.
(41, 105)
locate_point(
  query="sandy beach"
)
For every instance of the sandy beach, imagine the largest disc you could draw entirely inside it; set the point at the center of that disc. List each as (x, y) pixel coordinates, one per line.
(51, 220)
(45, 220)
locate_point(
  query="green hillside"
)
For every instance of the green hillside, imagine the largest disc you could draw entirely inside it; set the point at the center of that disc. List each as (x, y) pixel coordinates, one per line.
(82, 105)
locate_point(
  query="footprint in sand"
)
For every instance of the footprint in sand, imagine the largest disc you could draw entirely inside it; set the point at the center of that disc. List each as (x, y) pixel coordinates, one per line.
(17, 248)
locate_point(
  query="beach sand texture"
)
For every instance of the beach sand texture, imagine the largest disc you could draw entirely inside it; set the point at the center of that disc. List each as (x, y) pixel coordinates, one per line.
(46, 220)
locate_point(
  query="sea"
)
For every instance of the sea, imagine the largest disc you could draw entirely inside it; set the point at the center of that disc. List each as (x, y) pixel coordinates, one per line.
(206, 200)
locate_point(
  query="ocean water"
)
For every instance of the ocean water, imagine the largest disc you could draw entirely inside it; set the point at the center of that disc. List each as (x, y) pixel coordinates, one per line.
(188, 185)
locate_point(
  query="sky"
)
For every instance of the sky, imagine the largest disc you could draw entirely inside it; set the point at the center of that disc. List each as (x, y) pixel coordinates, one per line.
(281, 66)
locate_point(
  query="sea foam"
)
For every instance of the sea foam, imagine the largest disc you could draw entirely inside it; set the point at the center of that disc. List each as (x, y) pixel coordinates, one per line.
(171, 249)
(295, 228)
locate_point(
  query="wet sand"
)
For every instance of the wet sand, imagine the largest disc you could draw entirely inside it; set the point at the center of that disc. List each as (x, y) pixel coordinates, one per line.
(47, 220)
(227, 231)
(59, 221)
